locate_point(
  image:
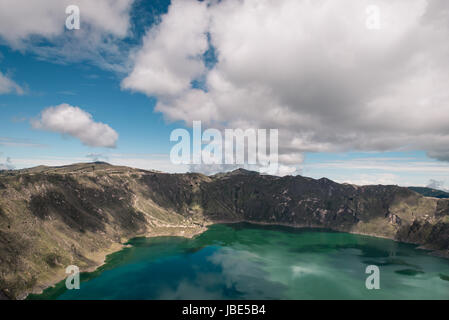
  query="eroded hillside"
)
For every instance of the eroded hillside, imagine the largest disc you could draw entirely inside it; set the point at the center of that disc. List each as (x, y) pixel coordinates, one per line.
(51, 217)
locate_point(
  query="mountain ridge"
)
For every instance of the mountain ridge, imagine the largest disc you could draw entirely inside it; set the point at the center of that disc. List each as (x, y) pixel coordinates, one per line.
(431, 192)
(51, 217)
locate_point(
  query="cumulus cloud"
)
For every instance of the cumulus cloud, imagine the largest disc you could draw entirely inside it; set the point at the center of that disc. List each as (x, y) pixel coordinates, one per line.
(9, 86)
(24, 24)
(73, 121)
(171, 55)
(311, 69)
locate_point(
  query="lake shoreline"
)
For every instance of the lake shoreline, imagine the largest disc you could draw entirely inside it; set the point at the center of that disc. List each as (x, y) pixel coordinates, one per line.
(200, 229)
(114, 248)
(430, 251)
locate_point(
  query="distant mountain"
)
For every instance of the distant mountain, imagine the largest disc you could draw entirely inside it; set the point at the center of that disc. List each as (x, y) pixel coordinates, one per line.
(52, 217)
(429, 192)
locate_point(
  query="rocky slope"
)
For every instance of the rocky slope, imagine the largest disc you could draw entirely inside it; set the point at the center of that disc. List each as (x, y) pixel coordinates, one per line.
(51, 217)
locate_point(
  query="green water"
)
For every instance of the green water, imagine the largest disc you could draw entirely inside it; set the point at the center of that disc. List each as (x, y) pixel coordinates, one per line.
(252, 262)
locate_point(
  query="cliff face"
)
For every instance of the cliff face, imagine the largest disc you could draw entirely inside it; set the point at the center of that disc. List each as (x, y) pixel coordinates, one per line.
(53, 217)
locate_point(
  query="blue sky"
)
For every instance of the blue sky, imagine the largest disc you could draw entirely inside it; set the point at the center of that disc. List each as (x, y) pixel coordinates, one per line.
(107, 82)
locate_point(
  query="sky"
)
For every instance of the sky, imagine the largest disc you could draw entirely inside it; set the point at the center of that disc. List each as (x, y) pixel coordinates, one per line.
(358, 90)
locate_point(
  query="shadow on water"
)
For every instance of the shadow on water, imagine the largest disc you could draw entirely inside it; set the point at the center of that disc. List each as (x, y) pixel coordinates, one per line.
(409, 272)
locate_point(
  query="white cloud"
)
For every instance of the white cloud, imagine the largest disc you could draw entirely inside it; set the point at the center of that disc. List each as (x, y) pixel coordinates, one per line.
(12, 142)
(8, 165)
(384, 165)
(404, 171)
(24, 24)
(308, 68)
(73, 121)
(21, 19)
(9, 86)
(171, 55)
(372, 179)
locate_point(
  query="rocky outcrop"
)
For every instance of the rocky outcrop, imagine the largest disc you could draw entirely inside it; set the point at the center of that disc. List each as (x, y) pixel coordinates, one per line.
(51, 217)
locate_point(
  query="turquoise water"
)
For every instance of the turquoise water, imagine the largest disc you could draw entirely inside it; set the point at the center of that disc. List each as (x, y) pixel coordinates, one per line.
(245, 261)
